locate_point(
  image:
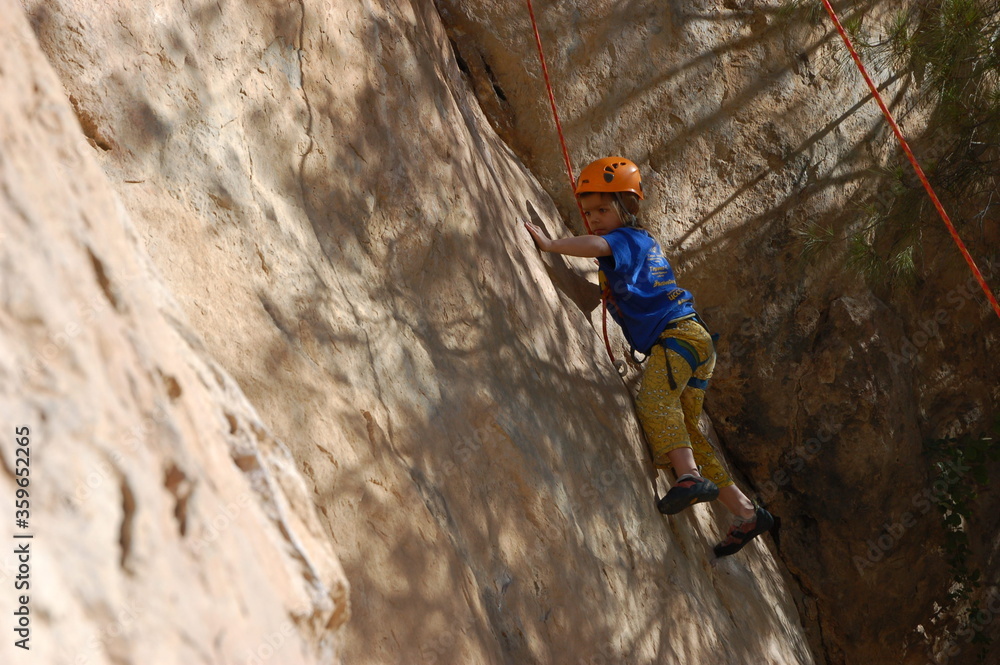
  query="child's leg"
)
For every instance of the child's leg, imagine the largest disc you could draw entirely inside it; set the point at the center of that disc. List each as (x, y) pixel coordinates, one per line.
(736, 501)
(692, 401)
(682, 460)
(658, 406)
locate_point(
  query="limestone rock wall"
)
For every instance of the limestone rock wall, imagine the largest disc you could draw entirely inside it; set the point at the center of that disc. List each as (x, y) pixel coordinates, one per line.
(750, 125)
(338, 225)
(275, 310)
(170, 524)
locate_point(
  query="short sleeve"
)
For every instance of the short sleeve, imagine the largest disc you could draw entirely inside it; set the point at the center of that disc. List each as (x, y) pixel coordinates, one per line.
(625, 252)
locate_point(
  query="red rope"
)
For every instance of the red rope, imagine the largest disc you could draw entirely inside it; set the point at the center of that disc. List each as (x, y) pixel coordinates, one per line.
(569, 164)
(555, 114)
(913, 160)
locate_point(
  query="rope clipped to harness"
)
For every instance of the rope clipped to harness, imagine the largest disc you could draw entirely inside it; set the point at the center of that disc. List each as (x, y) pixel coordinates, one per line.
(569, 170)
(913, 160)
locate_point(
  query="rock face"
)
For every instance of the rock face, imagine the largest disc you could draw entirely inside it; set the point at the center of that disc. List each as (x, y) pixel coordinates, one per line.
(750, 126)
(291, 239)
(336, 226)
(169, 524)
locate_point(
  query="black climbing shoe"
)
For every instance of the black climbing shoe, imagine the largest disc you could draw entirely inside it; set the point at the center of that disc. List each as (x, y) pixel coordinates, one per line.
(688, 491)
(741, 533)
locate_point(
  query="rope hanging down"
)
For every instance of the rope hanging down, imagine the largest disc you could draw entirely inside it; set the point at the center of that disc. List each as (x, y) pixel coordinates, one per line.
(555, 114)
(913, 160)
(569, 165)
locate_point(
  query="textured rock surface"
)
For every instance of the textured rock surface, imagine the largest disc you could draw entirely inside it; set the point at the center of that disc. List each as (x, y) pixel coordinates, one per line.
(338, 221)
(170, 525)
(304, 208)
(749, 127)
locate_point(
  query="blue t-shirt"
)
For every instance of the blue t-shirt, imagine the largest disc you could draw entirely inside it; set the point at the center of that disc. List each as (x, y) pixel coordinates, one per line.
(644, 296)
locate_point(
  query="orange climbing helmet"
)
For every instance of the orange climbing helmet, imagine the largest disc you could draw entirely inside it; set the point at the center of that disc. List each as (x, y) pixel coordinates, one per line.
(610, 174)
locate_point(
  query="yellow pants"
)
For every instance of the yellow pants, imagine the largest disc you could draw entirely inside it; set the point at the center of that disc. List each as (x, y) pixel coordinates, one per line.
(669, 412)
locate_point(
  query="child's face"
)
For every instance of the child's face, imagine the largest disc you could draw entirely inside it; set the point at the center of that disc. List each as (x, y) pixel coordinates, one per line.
(601, 213)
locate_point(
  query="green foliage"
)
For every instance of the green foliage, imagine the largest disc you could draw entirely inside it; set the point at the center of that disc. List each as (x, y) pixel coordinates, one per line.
(961, 470)
(883, 246)
(893, 50)
(810, 9)
(949, 52)
(815, 240)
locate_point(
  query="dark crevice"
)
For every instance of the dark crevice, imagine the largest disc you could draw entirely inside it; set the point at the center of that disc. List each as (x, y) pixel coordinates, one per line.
(300, 49)
(277, 318)
(247, 462)
(89, 126)
(178, 484)
(172, 386)
(127, 525)
(102, 279)
(493, 81)
(234, 424)
(462, 64)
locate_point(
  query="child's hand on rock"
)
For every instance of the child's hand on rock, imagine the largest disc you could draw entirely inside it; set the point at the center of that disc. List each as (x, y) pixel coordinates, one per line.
(541, 241)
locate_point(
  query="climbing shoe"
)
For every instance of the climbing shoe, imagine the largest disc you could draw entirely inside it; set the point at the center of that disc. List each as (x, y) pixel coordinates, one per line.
(743, 531)
(688, 491)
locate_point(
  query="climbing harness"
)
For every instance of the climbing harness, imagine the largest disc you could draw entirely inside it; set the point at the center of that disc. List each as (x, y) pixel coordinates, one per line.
(687, 351)
(913, 160)
(569, 169)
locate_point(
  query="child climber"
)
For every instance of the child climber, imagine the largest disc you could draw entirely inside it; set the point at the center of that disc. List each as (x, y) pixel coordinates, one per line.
(658, 319)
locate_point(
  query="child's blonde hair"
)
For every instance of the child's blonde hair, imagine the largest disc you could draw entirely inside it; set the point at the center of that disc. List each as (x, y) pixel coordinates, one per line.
(627, 205)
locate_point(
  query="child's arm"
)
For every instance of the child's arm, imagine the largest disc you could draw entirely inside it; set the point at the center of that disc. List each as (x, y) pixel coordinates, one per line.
(587, 246)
